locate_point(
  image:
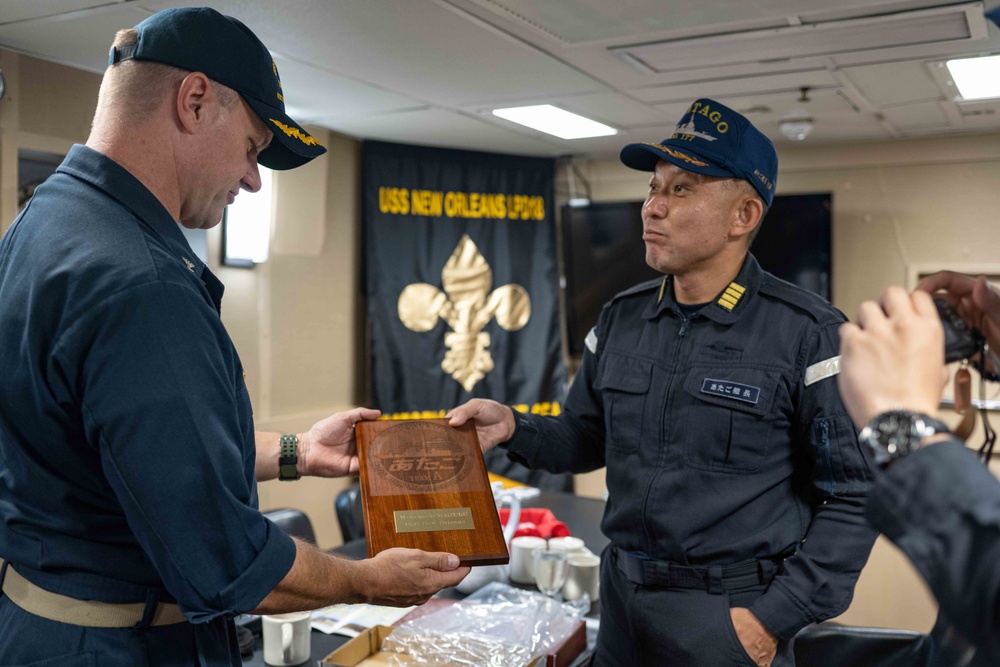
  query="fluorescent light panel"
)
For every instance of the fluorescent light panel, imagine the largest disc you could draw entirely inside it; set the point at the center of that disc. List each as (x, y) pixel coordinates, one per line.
(555, 121)
(976, 78)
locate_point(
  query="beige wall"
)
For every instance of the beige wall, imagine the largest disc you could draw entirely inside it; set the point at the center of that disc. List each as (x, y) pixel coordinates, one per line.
(46, 107)
(897, 207)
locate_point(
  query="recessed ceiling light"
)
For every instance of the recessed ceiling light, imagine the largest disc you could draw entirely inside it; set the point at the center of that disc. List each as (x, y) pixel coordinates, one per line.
(976, 78)
(555, 121)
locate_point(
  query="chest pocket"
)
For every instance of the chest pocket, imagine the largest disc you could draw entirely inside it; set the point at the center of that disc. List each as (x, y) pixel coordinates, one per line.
(728, 425)
(624, 386)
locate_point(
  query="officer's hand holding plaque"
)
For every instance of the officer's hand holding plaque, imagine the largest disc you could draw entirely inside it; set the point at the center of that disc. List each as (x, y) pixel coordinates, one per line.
(424, 486)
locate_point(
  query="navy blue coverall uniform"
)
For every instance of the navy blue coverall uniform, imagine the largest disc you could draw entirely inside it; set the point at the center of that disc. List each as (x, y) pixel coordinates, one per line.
(941, 506)
(127, 446)
(733, 479)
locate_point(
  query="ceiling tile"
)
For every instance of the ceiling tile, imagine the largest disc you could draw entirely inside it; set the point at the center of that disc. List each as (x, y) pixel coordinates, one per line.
(439, 127)
(786, 84)
(73, 38)
(331, 96)
(978, 115)
(923, 116)
(891, 84)
(417, 49)
(592, 20)
(23, 10)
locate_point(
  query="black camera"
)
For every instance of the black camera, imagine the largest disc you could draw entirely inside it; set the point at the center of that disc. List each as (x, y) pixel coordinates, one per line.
(960, 340)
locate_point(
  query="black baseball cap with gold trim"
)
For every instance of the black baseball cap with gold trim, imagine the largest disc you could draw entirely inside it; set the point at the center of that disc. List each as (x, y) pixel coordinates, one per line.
(200, 39)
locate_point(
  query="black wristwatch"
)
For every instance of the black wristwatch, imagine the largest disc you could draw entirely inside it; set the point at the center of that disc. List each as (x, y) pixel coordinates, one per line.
(892, 435)
(288, 460)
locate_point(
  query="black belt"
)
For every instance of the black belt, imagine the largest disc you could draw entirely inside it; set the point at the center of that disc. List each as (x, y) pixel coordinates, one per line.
(715, 579)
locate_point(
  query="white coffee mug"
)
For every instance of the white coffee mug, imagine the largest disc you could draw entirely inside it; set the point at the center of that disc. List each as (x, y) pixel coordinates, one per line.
(571, 545)
(521, 568)
(286, 638)
(584, 577)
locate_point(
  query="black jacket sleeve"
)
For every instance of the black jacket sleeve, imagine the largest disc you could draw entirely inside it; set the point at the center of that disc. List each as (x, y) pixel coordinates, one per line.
(941, 507)
(573, 441)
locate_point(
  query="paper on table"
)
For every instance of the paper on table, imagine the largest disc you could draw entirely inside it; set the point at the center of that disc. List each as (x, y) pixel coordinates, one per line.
(350, 620)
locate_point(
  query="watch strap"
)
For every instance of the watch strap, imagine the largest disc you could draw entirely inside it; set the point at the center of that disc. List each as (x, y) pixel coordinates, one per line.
(288, 459)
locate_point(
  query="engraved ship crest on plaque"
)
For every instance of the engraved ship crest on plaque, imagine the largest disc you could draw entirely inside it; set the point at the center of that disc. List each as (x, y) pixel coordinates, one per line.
(424, 486)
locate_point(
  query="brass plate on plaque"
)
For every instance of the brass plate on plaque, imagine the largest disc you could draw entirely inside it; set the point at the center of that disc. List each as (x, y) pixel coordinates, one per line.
(451, 518)
(424, 486)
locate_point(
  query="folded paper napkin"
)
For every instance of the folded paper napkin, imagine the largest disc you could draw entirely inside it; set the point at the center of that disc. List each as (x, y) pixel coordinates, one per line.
(538, 522)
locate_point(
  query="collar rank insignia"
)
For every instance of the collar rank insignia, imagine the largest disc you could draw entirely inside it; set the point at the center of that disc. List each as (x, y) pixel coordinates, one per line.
(188, 263)
(663, 287)
(731, 296)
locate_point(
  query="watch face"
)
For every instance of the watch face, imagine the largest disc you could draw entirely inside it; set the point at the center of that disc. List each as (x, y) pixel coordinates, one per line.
(895, 433)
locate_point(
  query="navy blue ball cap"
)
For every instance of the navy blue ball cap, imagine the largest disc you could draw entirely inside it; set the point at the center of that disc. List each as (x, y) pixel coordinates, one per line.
(200, 39)
(713, 140)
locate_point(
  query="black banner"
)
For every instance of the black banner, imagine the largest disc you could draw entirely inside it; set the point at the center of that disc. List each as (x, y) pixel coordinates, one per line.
(462, 283)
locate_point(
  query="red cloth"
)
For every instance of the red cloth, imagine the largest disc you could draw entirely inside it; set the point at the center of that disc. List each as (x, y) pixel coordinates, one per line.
(536, 521)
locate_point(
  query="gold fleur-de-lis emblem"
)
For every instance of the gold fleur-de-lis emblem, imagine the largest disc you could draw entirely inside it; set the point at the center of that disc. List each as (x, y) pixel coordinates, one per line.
(466, 305)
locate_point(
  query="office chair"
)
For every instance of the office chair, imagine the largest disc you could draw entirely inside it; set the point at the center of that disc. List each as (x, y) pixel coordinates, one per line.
(294, 523)
(833, 645)
(350, 513)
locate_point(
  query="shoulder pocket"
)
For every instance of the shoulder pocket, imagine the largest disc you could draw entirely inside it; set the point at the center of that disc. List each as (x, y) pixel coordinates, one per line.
(624, 385)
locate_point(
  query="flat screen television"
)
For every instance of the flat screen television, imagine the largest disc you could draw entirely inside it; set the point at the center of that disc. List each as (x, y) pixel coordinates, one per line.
(603, 253)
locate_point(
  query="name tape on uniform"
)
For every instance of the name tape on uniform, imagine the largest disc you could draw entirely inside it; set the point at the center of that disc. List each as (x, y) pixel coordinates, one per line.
(741, 392)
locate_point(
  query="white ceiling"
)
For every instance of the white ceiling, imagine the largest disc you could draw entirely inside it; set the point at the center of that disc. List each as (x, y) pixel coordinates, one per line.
(429, 71)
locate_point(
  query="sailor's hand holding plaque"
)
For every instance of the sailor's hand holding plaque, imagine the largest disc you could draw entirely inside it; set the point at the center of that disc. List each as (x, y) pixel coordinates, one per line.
(424, 486)
(395, 577)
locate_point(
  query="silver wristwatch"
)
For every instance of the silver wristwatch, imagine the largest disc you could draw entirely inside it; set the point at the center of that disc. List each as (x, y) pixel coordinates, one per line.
(894, 434)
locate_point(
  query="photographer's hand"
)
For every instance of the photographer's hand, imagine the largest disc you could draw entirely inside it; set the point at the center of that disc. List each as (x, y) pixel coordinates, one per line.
(974, 299)
(893, 357)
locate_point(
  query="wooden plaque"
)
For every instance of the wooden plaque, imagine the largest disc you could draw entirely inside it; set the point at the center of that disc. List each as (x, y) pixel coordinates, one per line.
(424, 486)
